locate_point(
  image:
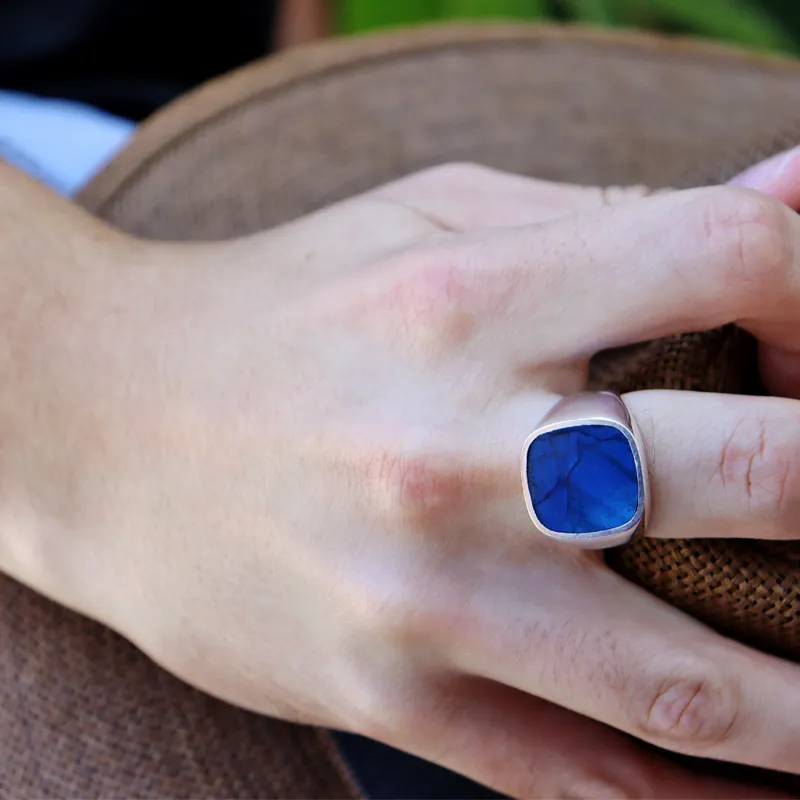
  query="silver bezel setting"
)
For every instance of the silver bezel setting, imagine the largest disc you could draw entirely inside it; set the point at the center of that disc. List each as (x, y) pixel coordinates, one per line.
(594, 408)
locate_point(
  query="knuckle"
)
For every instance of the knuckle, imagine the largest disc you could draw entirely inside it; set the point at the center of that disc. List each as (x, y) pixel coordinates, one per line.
(748, 235)
(614, 195)
(406, 706)
(693, 708)
(375, 707)
(416, 490)
(382, 599)
(457, 173)
(757, 464)
(432, 297)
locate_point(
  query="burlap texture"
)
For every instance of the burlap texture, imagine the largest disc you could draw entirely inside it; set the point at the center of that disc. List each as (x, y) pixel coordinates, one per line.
(83, 713)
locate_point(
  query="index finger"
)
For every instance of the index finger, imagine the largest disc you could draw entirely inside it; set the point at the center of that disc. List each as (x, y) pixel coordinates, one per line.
(684, 261)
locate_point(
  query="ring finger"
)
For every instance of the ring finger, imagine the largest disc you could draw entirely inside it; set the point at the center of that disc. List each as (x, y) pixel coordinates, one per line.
(720, 465)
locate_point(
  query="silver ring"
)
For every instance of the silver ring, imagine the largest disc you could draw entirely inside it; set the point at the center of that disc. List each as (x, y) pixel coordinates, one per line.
(584, 472)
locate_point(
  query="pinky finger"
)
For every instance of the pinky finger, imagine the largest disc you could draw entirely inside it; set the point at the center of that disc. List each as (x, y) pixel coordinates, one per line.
(523, 746)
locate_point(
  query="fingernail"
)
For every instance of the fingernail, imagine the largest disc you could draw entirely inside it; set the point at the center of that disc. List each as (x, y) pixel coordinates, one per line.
(764, 174)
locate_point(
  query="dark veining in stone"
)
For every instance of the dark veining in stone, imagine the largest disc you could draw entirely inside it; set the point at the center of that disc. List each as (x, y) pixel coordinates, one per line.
(583, 479)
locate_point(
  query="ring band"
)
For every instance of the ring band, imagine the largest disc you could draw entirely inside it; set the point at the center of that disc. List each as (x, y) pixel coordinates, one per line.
(584, 472)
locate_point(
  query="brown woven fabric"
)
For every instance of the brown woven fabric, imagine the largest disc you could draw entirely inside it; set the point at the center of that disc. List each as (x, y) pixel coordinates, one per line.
(82, 713)
(747, 589)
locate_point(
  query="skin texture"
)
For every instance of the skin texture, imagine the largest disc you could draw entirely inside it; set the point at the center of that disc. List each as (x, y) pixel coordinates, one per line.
(287, 466)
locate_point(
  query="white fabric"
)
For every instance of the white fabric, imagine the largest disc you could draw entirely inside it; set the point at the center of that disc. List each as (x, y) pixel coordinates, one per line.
(61, 143)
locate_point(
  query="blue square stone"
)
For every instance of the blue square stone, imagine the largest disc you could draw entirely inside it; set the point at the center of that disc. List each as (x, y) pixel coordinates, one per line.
(583, 479)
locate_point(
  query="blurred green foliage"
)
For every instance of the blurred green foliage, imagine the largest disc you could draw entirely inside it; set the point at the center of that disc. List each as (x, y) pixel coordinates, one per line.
(767, 25)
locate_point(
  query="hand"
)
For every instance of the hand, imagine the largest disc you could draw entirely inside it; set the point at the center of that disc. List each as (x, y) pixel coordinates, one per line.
(286, 467)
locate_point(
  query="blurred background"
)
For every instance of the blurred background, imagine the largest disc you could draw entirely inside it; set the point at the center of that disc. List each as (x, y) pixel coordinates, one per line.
(764, 25)
(116, 63)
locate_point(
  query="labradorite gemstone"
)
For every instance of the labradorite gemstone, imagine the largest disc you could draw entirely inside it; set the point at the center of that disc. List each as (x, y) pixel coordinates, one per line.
(583, 479)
